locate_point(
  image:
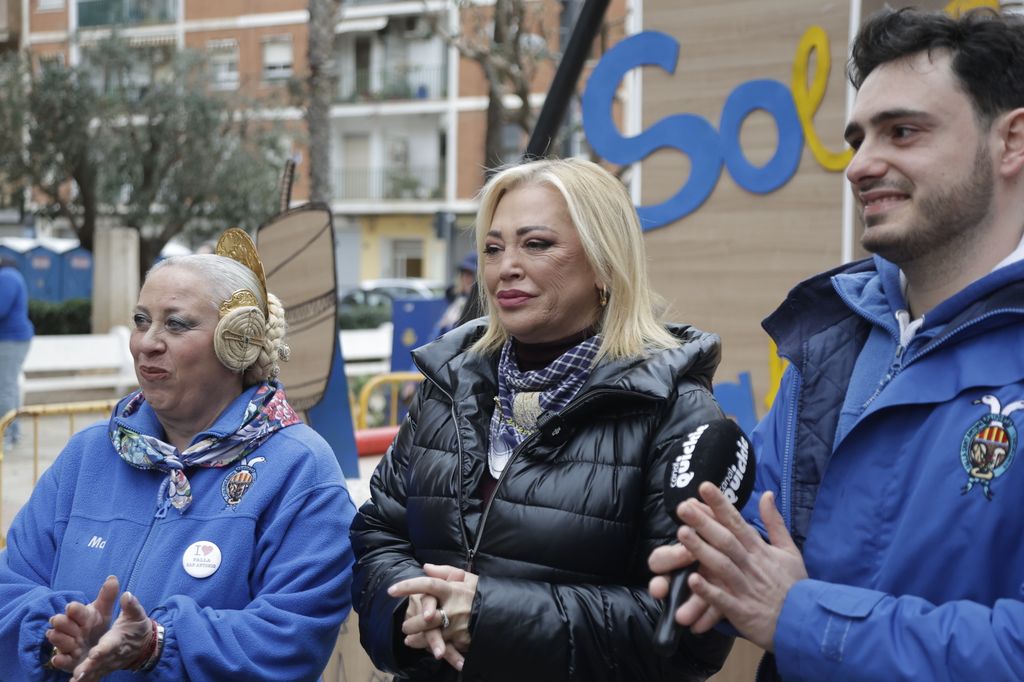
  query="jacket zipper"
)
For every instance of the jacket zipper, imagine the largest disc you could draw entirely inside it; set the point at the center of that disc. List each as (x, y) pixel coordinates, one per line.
(130, 585)
(894, 368)
(568, 409)
(471, 554)
(163, 502)
(458, 438)
(898, 364)
(785, 488)
(970, 323)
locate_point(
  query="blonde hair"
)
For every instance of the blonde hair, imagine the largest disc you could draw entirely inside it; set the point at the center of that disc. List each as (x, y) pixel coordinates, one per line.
(609, 230)
(245, 341)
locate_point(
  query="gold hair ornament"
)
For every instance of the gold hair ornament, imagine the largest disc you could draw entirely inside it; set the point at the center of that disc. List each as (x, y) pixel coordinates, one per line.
(243, 298)
(237, 245)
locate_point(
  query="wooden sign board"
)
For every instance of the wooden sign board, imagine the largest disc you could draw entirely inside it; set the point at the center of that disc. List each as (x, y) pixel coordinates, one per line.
(297, 248)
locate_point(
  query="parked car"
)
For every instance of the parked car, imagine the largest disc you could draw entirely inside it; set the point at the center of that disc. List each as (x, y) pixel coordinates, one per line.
(369, 304)
(404, 287)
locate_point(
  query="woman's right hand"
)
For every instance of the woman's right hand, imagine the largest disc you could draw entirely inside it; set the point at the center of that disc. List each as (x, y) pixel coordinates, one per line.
(444, 587)
(74, 632)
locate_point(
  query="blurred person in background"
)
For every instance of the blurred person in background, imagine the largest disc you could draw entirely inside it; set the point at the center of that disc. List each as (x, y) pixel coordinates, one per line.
(16, 333)
(509, 524)
(461, 290)
(219, 513)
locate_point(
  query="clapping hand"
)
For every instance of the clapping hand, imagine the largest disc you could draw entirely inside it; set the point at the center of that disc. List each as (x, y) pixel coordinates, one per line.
(742, 577)
(74, 632)
(122, 646)
(88, 647)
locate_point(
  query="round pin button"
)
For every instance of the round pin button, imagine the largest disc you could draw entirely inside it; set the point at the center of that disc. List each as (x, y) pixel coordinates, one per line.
(201, 559)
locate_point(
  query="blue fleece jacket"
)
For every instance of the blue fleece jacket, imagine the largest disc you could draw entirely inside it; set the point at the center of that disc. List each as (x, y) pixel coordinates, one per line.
(272, 609)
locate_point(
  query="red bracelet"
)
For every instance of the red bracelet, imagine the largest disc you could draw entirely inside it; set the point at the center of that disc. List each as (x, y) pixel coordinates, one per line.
(142, 660)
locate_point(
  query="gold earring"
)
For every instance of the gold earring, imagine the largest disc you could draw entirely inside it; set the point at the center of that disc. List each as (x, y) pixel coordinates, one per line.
(603, 296)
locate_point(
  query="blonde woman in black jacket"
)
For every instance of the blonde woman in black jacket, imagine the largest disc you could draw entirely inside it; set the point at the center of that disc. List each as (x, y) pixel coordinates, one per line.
(509, 525)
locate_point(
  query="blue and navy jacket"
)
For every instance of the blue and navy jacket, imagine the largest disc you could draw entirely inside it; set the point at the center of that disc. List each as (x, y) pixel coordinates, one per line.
(900, 473)
(271, 610)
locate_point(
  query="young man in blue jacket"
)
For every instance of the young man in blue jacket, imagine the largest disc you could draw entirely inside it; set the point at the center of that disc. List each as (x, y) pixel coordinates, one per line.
(893, 497)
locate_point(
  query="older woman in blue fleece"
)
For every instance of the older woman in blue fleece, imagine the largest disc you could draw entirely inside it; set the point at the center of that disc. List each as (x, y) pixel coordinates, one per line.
(201, 534)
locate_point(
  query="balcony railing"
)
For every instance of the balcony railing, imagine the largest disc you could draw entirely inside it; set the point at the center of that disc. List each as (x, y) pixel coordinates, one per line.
(403, 83)
(416, 183)
(126, 12)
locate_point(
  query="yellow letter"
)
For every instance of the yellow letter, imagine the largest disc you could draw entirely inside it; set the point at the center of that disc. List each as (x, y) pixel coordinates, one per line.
(808, 99)
(957, 7)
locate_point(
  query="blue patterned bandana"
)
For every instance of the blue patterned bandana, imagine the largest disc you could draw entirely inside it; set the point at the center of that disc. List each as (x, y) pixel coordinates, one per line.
(524, 396)
(266, 413)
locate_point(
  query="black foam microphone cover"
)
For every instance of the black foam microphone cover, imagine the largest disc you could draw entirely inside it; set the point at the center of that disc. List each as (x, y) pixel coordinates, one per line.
(718, 452)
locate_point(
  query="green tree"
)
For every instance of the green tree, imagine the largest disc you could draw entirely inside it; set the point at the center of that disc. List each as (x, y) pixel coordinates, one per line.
(139, 139)
(509, 40)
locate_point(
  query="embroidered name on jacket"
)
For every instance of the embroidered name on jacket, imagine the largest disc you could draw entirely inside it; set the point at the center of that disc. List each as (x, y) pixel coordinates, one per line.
(240, 480)
(989, 446)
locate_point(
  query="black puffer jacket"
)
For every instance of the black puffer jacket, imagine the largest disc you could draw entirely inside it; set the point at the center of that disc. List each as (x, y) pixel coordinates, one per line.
(562, 549)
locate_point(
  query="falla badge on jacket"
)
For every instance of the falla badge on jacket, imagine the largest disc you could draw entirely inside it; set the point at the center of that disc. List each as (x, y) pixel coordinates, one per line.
(989, 446)
(238, 482)
(201, 559)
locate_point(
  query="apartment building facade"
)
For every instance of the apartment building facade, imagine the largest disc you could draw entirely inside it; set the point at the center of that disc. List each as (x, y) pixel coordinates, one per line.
(408, 118)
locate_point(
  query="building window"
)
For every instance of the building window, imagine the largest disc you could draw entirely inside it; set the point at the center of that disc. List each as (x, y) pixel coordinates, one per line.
(407, 258)
(223, 60)
(48, 5)
(277, 58)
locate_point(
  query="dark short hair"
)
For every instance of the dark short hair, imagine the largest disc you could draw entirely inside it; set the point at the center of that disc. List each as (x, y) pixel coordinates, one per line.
(987, 51)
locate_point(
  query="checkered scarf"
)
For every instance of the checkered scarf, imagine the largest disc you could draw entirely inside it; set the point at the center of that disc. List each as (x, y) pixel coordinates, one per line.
(558, 383)
(267, 412)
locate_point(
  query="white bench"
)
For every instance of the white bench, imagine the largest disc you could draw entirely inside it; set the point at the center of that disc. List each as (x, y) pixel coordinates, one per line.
(70, 363)
(367, 351)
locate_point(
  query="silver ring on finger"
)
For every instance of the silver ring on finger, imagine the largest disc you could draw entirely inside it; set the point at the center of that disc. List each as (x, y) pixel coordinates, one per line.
(445, 621)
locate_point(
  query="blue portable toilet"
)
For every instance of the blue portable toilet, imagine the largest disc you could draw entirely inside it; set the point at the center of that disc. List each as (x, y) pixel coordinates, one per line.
(43, 274)
(14, 248)
(76, 274)
(11, 254)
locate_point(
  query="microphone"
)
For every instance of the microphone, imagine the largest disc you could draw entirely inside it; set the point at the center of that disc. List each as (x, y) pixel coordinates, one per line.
(720, 453)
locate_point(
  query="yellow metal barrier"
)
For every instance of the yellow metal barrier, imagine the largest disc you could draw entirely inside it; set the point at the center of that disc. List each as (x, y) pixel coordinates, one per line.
(36, 412)
(396, 380)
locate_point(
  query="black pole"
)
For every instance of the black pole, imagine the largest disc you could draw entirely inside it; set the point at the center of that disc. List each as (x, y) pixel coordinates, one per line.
(564, 83)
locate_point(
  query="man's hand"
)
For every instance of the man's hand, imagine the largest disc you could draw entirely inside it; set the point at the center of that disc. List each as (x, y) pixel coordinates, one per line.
(666, 560)
(745, 578)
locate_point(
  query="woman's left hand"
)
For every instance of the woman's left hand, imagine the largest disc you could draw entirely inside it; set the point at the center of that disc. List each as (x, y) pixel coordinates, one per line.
(454, 589)
(123, 645)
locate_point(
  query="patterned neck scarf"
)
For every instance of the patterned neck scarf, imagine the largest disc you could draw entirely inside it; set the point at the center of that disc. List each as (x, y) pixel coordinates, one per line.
(523, 397)
(267, 412)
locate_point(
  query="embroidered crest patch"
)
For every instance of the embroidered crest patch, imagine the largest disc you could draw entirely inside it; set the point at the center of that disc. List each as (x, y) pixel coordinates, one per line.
(240, 480)
(990, 445)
